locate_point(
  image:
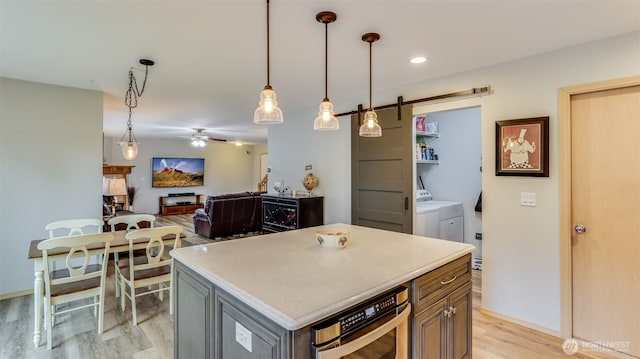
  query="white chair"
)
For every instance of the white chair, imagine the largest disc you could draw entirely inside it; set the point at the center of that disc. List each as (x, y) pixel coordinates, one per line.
(75, 226)
(155, 268)
(133, 222)
(72, 227)
(74, 283)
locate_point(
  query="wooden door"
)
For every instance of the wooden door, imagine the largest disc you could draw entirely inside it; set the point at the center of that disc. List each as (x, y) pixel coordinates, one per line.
(460, 323)
(381, 173)
(430, 331)
(605, 199)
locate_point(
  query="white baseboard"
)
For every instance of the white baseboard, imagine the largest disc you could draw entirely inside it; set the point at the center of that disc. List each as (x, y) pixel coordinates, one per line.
(16, 294)
(539, 328)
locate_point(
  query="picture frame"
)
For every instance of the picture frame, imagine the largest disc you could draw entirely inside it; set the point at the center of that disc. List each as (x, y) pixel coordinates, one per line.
(522, 147)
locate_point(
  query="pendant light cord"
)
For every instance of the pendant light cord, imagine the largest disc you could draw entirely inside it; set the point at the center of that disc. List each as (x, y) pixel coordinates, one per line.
(370, 76)
(268, 64)
(326, 61)
(131, 96)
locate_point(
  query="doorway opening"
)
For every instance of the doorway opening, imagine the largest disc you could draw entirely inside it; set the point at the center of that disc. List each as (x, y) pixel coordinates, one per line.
(450, 173)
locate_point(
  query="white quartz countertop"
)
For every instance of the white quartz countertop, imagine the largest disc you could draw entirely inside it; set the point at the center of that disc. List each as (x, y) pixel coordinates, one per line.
(293, 281)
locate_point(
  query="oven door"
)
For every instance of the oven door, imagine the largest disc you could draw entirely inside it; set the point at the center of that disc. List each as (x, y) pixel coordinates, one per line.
(386, 338)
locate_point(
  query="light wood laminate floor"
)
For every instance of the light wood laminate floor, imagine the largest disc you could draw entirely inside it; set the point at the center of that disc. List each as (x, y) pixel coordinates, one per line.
(75, 334)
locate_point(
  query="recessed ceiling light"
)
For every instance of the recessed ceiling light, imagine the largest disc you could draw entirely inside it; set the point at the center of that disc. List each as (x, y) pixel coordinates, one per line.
(418, 60)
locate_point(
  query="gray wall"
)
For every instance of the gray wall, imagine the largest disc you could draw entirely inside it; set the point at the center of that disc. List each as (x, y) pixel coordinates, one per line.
(521, 246)
(50, 167)
(228, 168)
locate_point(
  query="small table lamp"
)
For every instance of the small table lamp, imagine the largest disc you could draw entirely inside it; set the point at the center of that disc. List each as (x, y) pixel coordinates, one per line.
(117, 187)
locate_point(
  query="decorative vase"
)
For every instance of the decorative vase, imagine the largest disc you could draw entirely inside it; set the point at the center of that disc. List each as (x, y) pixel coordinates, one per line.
(310, 182)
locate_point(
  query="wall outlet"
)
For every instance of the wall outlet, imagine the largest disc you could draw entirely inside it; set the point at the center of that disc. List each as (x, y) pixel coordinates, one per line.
(243, 336)
(478, 236)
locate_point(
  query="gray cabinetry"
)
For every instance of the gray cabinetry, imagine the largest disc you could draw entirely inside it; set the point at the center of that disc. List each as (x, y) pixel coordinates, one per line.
(442, 317)
(193, 327)
(242, 333)
(209, 323)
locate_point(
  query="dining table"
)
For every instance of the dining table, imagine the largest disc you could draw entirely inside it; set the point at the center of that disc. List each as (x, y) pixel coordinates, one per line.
(117, 245)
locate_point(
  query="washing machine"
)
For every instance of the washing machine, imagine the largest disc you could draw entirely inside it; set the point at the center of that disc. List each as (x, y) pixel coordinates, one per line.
(438, 219)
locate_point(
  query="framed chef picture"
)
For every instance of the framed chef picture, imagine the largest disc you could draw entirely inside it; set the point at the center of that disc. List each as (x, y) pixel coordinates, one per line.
(522, 147)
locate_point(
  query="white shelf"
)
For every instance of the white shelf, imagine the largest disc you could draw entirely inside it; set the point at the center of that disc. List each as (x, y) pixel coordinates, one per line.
(433, 162)
(424, 134)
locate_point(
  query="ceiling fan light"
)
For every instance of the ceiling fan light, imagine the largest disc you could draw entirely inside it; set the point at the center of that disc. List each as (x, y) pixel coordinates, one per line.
(268, 112)
(326, 119)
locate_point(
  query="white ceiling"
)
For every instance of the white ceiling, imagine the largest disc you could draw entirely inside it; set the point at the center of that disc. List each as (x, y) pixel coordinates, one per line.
(211, 55)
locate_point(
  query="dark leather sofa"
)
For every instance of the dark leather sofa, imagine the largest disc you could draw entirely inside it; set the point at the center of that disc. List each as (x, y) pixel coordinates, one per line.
(229, 214)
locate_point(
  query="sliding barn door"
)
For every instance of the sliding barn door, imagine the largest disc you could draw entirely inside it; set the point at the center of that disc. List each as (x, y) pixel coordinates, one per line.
(382, 173)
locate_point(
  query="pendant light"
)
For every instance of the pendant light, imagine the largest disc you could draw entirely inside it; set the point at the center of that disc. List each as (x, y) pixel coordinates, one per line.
(268, 112)
(370, 126)
(326, 119)
(130, 145)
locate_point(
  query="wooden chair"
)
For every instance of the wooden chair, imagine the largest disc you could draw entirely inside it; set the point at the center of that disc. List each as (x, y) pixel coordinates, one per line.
(133, 222)
(74, 283)
(155, 268)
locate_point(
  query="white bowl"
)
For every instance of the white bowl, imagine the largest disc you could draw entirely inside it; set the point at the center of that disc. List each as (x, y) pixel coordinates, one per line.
(334, 238)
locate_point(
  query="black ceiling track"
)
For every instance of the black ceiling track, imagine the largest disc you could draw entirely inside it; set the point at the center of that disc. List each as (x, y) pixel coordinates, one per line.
(474, 91)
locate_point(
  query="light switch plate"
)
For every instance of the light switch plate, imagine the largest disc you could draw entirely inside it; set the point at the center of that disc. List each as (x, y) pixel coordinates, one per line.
(528, 199)
(243, 336)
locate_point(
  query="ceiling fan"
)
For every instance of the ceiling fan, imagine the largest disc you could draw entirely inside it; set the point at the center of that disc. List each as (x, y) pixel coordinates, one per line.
(200, 138)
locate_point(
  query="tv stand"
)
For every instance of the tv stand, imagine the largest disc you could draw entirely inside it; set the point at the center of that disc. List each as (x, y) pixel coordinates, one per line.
(180, 203)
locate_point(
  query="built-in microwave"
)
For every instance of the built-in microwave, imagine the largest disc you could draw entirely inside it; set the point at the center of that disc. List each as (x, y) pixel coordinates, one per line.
(376, 329)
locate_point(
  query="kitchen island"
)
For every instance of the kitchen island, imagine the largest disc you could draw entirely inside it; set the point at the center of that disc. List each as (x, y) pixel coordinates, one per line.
(258, 297)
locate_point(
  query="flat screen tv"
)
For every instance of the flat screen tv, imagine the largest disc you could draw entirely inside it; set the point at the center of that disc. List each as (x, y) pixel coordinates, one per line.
(177, 172)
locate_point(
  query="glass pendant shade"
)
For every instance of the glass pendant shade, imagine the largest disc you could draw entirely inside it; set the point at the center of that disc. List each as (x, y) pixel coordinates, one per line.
(370, 126)
(326, 120)
(129, 150)
(268, 112)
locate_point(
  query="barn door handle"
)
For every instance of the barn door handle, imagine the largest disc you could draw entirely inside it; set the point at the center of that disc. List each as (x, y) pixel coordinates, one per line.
(406, 203)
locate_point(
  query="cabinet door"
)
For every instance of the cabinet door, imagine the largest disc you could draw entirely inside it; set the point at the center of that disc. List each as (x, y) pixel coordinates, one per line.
(193, 320)
(242, 333)
(430, 336)
(239, 341)
(460, 323)
(452, 229)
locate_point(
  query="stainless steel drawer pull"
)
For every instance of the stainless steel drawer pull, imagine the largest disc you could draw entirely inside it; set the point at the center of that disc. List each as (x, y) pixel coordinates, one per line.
(443, 282)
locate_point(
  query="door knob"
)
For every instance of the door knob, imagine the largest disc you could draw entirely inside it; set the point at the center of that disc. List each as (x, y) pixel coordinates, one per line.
(581, 228)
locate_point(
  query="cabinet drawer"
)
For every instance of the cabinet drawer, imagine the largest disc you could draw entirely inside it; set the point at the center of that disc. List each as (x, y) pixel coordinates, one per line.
(173, 210)
(436, 284)
(192, 208)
